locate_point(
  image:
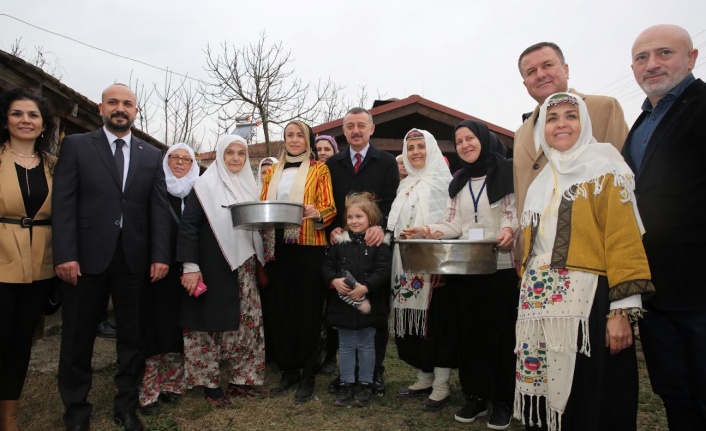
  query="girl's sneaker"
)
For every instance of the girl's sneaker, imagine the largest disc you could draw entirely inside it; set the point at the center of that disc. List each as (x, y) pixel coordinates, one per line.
(344, 394)
(364, 394)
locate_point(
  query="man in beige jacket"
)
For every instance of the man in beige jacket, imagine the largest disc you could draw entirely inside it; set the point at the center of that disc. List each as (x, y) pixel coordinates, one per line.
(544, 72)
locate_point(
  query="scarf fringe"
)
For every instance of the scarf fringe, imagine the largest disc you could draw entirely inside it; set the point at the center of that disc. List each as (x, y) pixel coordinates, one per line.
(553, 415)
(626, 183)
(555, 329)
(410, 321)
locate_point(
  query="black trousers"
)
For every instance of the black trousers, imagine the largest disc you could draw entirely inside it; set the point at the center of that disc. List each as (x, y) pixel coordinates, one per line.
(82, 309)
(674, 344)
(486, 330)
(21, 306)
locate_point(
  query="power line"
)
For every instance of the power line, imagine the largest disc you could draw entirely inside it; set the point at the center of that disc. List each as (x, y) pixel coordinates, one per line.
(104, 50)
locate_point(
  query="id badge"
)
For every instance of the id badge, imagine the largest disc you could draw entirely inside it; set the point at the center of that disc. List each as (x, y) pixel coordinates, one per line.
(475, 234)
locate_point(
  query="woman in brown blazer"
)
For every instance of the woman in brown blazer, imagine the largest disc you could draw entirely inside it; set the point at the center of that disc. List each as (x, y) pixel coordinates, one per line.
(26, 269)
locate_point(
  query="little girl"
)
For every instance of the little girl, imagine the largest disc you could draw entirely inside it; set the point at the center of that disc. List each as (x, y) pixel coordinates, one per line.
(368, 274)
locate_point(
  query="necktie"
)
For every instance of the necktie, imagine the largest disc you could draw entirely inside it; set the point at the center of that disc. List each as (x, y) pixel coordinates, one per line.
(358, 161)
(119, 159)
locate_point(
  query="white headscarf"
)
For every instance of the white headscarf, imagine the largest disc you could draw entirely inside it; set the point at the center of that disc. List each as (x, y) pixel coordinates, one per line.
(259, 169)
(180, 187)
(431, 184)
(586, 161)
(218, 188)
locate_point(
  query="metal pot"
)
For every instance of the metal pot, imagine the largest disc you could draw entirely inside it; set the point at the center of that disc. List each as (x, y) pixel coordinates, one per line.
(266, 214)
(450, 256)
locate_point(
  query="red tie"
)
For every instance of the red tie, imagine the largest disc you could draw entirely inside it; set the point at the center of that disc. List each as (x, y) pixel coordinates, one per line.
(358, 161)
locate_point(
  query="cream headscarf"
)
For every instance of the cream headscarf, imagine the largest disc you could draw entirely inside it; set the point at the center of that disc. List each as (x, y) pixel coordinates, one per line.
(587, 161)
(297, 192)
(180, 187)
(218, 188)
(430, 182)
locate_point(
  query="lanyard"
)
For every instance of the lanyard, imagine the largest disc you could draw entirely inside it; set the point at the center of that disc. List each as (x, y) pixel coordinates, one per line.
(476, 199)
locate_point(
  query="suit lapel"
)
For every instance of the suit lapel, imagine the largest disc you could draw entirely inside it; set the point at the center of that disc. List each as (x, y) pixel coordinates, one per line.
(346, 161)
(531, 150)
(137, 149)
(102, 146)
(10, 185)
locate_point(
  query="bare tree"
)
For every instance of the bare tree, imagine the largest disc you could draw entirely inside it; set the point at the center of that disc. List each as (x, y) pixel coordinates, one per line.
(176, 113)
(259, 79)
(145, 113)
(47, 61)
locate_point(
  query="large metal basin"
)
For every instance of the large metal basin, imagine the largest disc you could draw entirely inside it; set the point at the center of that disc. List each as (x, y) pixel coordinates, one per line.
(266, 214)
(450, 256)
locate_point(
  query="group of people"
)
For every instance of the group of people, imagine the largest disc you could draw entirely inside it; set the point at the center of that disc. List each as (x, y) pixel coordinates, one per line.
(594, 222)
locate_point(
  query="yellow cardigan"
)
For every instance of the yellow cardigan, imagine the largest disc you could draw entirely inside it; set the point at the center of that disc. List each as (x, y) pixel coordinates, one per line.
(22, 261)
(599, 234)
(317, 192)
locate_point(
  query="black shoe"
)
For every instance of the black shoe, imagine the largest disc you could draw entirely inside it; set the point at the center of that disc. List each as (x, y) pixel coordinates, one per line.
(169, 397)
(333, 386)
(500, 418)
(129, 421)
(106, 329)
(150, 409)
(379, 383)
(305, 390)
(473, 408)
(289, 379)
(364, 394)
(407, 392)
(344, 394)
(430, 405)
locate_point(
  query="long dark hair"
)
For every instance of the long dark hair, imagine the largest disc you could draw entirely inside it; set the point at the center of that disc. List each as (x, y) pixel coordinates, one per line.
(43, 143)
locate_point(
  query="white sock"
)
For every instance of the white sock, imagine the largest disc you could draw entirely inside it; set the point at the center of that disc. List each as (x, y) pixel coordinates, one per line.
(424, 380)
(440, 384)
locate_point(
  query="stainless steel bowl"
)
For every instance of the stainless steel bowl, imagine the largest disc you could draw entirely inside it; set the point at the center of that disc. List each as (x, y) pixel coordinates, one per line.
(449, 256)
(266, 214)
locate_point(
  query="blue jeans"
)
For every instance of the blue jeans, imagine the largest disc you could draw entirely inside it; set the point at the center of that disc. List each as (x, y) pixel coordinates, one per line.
(362, 340)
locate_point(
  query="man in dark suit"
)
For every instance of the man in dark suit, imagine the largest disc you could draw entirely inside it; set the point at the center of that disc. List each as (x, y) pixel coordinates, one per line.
(364, 168)
(111, 236)
(666, 148)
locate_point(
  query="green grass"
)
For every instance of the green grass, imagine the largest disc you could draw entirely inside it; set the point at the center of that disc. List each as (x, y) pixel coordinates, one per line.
(41, 408)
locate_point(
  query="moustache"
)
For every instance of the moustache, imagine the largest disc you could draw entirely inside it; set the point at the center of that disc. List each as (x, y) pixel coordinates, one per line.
(120, 114)
(652, 73)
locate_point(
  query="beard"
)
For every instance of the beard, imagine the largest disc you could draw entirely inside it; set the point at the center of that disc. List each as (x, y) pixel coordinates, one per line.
(117, 127)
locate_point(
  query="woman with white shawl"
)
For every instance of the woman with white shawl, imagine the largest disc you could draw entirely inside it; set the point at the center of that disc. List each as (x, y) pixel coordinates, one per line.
(224, 323)
(584, 269)
(163, 380)
(425, 339)
(482, 206)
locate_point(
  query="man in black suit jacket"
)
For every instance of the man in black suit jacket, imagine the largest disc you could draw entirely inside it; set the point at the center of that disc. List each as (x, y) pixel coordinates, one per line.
(377, 173)
(666, 148)
(111, 234)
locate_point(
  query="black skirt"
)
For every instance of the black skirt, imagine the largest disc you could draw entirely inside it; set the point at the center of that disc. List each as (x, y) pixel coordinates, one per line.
(439, 347)
(295, 299)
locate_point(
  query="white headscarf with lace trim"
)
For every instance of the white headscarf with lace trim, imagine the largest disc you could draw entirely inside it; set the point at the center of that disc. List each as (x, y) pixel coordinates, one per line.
(218, 188)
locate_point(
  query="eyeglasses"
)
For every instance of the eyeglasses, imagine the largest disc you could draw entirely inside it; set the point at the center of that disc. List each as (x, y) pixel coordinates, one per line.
(184, 160)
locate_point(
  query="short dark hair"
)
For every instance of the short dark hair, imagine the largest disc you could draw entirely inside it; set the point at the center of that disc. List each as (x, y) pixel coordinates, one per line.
(359, 110)
(537, 47)
(43, 144)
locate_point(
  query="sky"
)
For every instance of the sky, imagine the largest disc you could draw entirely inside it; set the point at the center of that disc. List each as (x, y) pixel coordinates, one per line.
(459, 53)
